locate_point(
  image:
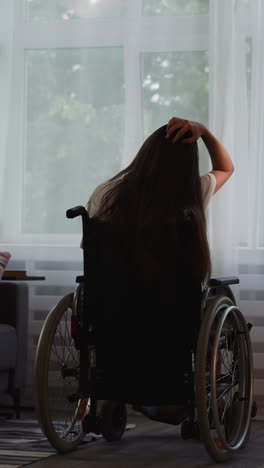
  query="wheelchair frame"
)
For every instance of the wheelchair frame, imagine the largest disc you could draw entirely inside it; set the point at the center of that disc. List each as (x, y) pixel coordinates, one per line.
(222, 373)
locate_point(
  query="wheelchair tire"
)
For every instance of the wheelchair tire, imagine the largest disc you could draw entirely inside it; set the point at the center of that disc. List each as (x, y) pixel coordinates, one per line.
(113, 420)
(254, 410)
(59, 410)
(222, 323)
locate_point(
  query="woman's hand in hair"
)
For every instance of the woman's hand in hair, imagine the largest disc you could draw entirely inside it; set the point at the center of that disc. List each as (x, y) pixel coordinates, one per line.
(194, 129)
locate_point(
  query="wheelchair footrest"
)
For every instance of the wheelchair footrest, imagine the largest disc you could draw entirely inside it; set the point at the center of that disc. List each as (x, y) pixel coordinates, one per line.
(174, 415)
(92, 424)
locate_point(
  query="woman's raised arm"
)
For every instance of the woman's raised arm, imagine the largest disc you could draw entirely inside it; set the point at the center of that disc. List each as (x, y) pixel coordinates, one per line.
(222, 165)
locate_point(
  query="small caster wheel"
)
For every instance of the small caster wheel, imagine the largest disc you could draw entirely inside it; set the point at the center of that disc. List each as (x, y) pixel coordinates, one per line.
(196, 431)
(186, 429)
(113, 420)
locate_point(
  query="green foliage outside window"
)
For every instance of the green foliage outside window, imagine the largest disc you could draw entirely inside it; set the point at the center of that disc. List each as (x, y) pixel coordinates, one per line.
(72, 9)
(175, 84)
(175, 7)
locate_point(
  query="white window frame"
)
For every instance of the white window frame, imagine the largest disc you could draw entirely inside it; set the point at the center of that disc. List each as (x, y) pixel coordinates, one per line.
(134, 34)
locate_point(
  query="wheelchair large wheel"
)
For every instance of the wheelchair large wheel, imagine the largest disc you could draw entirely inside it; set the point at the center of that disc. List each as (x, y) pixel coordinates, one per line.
(59, 410)
(223, 379)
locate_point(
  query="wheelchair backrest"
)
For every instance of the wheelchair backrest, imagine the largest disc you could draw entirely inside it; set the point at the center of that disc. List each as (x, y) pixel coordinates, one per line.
(120, 273)
(142, 321)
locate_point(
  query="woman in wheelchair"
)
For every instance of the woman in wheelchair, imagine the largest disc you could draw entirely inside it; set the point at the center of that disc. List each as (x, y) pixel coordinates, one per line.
(155, 196)
(166, 337)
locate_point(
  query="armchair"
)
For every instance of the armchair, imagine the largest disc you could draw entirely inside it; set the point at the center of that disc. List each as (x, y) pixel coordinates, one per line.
(13, 339)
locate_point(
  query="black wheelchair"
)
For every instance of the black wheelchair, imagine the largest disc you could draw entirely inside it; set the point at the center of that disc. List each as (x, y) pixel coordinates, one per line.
(117, 341)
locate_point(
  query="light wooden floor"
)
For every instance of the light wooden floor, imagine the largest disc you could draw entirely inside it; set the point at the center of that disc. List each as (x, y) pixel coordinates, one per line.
(155, 445)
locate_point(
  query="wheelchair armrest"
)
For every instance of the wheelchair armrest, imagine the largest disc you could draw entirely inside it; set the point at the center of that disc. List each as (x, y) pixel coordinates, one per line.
(223, 281)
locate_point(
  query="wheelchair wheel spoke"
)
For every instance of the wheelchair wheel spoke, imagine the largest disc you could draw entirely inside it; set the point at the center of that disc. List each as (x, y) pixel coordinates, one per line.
(55, 351)
(226, 353)
(224, 392)
(224, 412)
(226, 361)
(62, 342)
(66, 340)
(223, 377)
(236, 366)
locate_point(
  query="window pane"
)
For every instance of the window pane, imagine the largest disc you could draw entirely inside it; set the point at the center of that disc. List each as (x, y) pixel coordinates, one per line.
(72, 9)
(74, 131)
(175, 7)
(175, 84)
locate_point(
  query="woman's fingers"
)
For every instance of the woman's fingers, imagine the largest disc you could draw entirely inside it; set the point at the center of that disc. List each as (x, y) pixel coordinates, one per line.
(189, 140)
(194, 128)
(175, 122)
(174, 127)
(180, 133)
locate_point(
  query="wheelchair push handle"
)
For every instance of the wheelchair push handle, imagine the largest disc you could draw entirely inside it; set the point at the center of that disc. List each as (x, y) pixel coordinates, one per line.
(76, 211)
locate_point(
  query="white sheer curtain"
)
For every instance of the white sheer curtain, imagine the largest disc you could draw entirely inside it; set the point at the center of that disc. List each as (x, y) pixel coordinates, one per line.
(6, 41)
(237, 118)
(229, 122)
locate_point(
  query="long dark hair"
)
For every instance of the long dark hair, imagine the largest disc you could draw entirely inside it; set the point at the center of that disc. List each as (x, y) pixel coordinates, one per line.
(161, 188)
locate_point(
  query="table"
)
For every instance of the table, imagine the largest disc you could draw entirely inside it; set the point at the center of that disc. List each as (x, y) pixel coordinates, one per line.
(23, 278)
